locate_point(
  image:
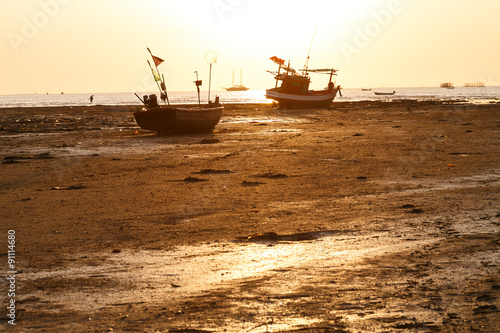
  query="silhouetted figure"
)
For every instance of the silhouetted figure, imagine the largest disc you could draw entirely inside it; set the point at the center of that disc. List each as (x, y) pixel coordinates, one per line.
(91, 98)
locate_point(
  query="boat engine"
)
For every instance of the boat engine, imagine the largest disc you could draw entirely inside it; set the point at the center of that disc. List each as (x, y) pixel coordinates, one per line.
(151, 101)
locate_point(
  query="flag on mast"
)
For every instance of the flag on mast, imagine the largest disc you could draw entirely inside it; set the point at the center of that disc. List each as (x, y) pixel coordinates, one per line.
(156, 75)
(157, 60)
(277, 60)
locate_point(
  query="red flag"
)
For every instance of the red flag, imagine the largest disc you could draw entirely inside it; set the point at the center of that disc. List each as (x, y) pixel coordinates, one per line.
(157, 60)
(277, 60)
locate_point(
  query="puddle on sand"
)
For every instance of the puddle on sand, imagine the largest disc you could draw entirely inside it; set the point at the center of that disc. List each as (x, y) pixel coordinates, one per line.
(29, 135)
(487, 179)
(258, 120)
(163, 276)
(157, 277)
(99, 146)
(93, 149)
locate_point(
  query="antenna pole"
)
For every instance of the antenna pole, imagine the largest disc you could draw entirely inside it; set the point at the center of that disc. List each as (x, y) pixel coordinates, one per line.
(164, 87)
(310, 46)
(277, 75)
(198, 84)
(209, 81)
(210, 60)
(140, 99)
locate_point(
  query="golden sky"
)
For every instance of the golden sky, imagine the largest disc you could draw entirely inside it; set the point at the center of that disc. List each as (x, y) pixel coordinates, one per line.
(92, 46)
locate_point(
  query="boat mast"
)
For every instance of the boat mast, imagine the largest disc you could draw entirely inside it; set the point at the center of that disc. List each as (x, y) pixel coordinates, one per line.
(154, 76)
(309, 52)
(198, 84)
(210, 57)
(277, 75)
(162, 87)
(209, 82)
(241, 76)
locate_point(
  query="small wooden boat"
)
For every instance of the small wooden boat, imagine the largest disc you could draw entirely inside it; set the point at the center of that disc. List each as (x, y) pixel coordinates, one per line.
(384, 93)
(366, 89)
(162, 118)
(294, 89)
(194, 118)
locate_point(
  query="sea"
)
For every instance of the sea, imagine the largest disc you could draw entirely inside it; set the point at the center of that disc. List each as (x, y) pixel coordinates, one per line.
(488, 94)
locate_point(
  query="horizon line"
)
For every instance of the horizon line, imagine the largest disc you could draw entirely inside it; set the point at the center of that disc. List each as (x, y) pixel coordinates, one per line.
(193, 91)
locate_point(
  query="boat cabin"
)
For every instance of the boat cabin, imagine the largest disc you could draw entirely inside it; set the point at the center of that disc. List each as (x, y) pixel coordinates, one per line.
(294, 84)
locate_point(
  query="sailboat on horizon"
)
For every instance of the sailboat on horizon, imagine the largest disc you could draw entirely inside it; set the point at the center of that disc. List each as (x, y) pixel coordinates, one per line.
(238, 87)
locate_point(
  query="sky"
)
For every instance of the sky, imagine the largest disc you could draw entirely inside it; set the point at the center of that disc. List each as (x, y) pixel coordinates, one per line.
(98, 46)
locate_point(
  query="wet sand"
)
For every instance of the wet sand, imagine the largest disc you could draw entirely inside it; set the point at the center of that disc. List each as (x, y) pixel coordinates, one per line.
(369, 216)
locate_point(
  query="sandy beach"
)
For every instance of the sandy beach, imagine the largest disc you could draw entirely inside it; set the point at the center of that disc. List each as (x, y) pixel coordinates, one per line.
(368, 216)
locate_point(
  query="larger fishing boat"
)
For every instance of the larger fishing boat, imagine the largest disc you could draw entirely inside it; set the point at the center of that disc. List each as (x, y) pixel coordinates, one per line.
(294, 88)
(165, 118)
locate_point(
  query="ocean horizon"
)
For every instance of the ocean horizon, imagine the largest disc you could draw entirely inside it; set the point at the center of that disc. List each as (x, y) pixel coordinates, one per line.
(473, 94)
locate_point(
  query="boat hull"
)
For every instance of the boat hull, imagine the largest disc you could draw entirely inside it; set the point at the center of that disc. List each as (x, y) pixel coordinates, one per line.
(178, 119)
(237, 89)
(384, 93)
(313, 99)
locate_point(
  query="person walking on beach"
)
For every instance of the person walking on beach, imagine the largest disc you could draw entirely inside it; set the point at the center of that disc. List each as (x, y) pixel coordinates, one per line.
(91, 98)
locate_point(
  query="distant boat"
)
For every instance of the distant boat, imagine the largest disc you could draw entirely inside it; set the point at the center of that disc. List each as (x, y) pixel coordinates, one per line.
(475, 84)
(366, 89)
(448, 85)
(238, 87)
(384, 93)
(294, 89)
